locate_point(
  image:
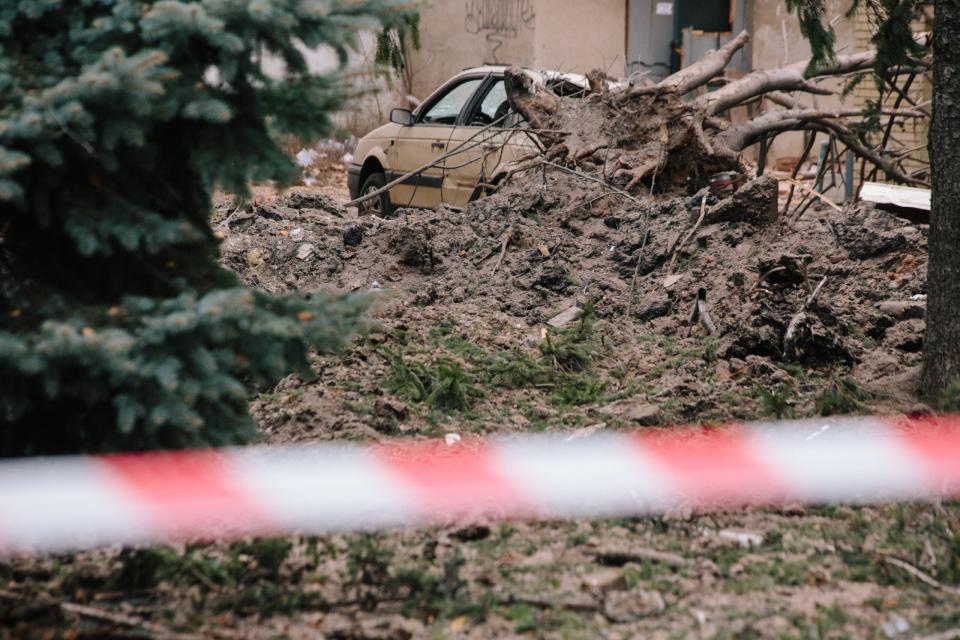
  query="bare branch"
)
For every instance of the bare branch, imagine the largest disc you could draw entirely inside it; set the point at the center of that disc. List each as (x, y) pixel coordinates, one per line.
(745, 134)
(789, 78)
(702, 71)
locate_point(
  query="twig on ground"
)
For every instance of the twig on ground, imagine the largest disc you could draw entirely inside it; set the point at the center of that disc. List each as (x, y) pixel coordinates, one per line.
(790, 337)
(587, 176)
(643, 244)
(202, 579)
(151, 629)
(123, 620)
(949, 634)
(675, 251)
(637, 554)
(816, 194)
(920, 575)
(636, 269)
(507, 236)
(586, 203)
(942, 512)
(763, 277)
(548, 603)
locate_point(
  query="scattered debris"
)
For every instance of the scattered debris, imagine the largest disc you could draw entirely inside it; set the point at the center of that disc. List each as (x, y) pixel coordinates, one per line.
(353, 235)
(564, 318)
(624, 606)
(896, 195)
(745, 539)
(797, 329)
(617, 557)
(700, 313)
(671, 280)
(451, 439)
(305, 251)
(903, 309)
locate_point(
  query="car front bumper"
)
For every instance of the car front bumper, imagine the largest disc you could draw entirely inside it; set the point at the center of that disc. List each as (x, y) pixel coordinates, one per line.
(353, 180)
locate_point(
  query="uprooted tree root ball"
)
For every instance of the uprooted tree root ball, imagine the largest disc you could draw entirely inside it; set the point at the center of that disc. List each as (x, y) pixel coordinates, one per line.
(651, 132)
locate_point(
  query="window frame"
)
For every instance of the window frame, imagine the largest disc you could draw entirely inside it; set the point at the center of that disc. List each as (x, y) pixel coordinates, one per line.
(477, 100)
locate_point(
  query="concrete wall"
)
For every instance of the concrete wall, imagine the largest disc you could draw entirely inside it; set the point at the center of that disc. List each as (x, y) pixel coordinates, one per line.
(580, 36)
(571, 35)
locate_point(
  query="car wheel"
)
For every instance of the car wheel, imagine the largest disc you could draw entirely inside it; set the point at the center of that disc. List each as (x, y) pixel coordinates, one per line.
(379, 206)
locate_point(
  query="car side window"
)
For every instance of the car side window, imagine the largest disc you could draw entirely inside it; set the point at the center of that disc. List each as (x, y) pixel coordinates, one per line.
(493, 106)
(448, 107)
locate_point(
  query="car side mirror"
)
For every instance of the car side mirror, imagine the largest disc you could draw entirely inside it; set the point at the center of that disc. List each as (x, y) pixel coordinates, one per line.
(401, 116)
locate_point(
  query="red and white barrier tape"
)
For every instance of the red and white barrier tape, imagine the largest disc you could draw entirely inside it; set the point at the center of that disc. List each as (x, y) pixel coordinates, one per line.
(49, 504)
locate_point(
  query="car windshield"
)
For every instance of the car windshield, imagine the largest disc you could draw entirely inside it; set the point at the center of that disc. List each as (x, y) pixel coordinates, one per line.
(448, 107)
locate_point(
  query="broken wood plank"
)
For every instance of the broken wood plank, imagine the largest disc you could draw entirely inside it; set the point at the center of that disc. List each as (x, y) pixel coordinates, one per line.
(896, 195)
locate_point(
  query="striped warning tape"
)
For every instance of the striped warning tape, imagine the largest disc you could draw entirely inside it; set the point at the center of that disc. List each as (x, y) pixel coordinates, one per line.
(49, 504)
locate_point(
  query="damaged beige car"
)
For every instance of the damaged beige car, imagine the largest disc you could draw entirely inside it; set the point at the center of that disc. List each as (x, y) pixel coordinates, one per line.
(472, 102)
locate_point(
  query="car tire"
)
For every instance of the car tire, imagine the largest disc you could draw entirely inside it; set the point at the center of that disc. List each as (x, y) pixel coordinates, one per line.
(381, 205)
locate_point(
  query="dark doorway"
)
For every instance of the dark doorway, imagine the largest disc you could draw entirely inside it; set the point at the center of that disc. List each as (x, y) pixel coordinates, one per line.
(713, 15)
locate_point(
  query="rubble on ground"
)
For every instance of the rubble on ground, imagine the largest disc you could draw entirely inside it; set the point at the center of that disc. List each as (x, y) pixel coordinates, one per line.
(498, 272)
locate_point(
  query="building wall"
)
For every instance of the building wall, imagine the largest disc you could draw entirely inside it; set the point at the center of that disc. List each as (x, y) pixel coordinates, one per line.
(911, 133)
(777, 41)
(572, 35)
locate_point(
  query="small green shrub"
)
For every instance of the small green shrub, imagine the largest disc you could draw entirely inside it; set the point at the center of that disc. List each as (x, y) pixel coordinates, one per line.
(409, 381)
(515, 370)
(269, 554)
(843, 396)
(143, 568)
(577, 389)
(571, 349)
(777, 403)
(444, 385)
(368, 567)
(451, 388)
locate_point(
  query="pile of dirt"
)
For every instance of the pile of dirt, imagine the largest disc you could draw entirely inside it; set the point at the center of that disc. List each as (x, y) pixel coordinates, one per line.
(468, 339)
(493, 277)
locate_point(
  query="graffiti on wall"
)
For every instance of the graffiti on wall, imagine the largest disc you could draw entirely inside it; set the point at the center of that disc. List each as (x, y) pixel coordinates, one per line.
(498, 20)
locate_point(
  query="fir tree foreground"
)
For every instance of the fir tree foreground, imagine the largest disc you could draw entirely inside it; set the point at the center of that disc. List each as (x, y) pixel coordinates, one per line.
(118, 330)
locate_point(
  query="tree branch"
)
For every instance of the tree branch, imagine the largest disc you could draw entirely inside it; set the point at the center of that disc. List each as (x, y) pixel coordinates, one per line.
(702, 71)
(789, 78)
(743, 135)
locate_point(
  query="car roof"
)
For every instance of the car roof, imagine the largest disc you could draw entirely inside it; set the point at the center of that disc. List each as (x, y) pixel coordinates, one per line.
(542, 75)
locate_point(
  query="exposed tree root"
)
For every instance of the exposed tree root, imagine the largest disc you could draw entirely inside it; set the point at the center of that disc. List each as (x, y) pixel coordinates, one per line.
(653, 130)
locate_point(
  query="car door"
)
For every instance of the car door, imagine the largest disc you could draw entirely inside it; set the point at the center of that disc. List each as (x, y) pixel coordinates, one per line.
(426, 140)
(486, 153)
